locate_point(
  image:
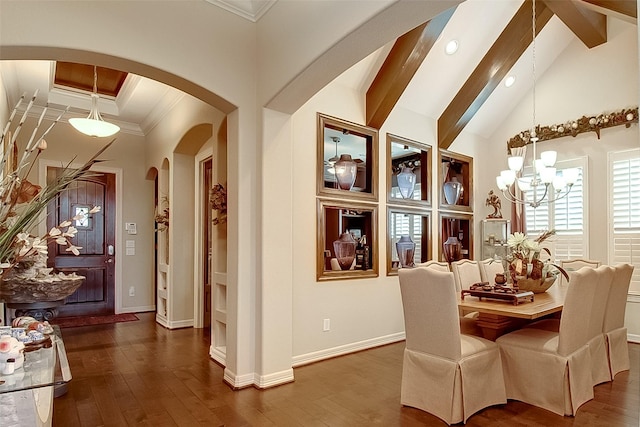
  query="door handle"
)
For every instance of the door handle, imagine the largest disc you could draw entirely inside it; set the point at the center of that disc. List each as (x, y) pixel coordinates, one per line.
(110, 250)
(110, 260)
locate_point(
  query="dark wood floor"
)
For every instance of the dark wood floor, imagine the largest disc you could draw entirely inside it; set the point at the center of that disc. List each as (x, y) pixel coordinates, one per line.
(138, 373)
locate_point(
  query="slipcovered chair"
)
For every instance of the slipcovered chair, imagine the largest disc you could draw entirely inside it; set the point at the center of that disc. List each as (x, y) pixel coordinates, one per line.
(571, 265)
(465, 272)
(489, 268)
(597, 342)
(438, 265)
(551, 369)
(613, 326)
(468, 322)
(446, 373)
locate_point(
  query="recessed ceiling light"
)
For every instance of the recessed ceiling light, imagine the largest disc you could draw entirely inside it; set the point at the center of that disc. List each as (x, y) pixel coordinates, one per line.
(451, 47)
(509, 81)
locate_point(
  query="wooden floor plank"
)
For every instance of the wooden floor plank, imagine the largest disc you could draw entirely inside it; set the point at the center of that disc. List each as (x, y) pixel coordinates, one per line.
(141, 374)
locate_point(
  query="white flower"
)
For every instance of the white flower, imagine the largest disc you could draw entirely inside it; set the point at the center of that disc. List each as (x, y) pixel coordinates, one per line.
(516, 240)
(61, 241)
(95, 209)
(54, 232)
(74, 249)
(78, 217)
(71, 231)
(64, 224)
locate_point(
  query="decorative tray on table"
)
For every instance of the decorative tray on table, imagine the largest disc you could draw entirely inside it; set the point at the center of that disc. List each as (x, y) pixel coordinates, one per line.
(507, 293)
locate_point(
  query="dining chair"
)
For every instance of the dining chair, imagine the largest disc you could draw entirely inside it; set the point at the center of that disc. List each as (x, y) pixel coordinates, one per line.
(444, 372)
(438, 265)
(465, 272)
(551, 369)
(613, 326)
(597, 342)
(571, 265)
(489, 268)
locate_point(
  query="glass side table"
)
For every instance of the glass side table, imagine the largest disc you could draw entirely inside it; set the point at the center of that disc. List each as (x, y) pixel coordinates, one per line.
(43, 367)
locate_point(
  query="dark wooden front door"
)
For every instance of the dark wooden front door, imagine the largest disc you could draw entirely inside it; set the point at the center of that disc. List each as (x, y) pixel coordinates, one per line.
(96, 236)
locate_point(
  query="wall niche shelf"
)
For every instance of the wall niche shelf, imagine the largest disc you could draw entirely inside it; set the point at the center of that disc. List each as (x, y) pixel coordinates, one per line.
(408, 160)
(413, 223)
(455, 169)
(460, 226)
(361, 221)
(337, 140)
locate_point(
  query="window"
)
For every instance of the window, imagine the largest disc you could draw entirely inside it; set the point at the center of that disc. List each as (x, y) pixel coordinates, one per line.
(624, 212)
(566, 216)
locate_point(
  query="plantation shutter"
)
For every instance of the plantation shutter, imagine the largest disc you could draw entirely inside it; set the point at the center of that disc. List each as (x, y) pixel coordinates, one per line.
(625, 212)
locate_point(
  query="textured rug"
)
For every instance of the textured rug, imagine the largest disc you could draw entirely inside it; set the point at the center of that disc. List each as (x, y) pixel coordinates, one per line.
(72, 322)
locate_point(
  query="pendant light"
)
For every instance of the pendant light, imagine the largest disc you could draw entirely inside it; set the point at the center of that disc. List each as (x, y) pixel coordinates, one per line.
(94, 125)
(544, 172)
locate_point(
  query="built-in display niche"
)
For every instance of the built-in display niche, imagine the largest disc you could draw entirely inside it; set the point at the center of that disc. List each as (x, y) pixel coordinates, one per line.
(347, 159)
(408, 239)
(456, 237)
(347, 240)
(456, 181)
(408, 171)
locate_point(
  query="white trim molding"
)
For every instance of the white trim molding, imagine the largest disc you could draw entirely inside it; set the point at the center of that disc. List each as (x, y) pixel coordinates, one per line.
(328, 353)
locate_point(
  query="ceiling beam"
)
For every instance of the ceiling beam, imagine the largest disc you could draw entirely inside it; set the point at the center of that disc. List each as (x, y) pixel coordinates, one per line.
(588, 25)
(400, 66)
(624, 7)
(495, 65)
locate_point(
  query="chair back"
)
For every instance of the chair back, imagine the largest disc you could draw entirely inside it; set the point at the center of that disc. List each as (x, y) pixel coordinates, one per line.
(577, 264)
(617, 301)
(465, 272)
(489, 268)
(430, 310)
(596, 320)
(576, 311)
(436, 265)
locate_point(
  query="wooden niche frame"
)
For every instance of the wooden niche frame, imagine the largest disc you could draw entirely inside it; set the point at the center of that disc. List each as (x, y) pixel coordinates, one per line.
(337, 137)
(456, 167)
(336, 217)
(423, 241)
(416, 156)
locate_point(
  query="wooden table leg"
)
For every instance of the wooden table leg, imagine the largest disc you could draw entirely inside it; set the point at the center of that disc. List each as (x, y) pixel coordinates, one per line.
(494, 325)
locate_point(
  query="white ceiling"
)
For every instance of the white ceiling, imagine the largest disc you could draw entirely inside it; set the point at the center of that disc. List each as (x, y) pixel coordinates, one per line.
(475, 24)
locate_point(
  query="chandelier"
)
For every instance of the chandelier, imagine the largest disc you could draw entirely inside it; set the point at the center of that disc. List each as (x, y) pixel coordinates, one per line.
(544, 172)
(94, 125)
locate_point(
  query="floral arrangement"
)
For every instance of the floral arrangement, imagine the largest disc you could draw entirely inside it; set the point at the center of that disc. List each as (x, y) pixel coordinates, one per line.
(524, 258)
(162, 217)
(22, 203)
(218, 200)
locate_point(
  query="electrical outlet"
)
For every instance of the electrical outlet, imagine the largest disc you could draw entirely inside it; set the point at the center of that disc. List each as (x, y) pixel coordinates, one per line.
(327, 325)
(132, 291)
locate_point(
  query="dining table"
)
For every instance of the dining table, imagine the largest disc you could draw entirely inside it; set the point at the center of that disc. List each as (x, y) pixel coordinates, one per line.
(497, 317)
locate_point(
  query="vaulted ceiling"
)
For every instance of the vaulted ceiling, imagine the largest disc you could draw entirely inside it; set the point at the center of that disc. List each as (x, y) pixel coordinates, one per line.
(462, 91)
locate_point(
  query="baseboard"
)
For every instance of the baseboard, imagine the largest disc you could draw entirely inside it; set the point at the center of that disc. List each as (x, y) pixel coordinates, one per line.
(316, 356)
(238, 381)
(217, 355)
(275, 379)
(140, 309)
(180, 324)
(633, 338)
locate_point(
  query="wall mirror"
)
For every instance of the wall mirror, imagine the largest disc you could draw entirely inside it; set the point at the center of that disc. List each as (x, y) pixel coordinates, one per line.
(408, 171)
(456, 181)
(347, 240)
(347, 159)
(414, 228)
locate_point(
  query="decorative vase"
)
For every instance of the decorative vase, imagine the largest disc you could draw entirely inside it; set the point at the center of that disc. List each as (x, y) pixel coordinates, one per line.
(406, 182)
(537, 286)
(452, 191)
(345, 250)
(452, 249)
(406, 249)
(346, 170)
(500, 279)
